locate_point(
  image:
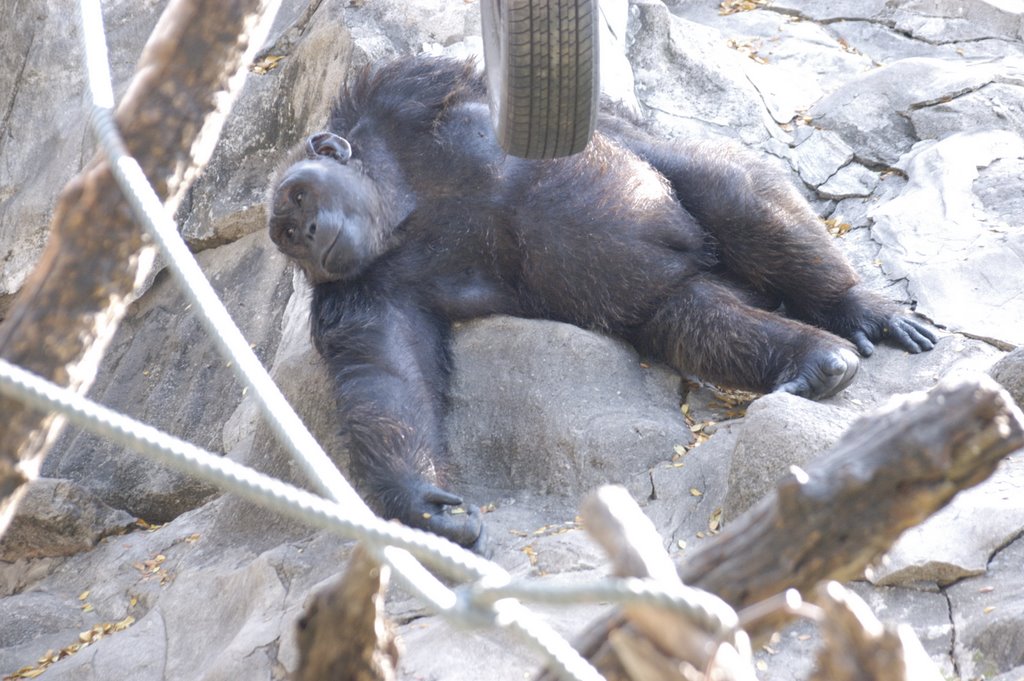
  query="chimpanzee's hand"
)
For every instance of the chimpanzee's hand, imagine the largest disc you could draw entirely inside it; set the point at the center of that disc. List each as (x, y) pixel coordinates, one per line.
(443, 513)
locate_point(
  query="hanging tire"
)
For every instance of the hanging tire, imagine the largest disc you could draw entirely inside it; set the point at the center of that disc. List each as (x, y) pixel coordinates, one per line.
(542, 74)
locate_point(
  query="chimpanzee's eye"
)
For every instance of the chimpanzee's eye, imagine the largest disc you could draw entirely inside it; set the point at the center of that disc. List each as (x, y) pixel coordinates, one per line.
(290, 233)
(298, 196)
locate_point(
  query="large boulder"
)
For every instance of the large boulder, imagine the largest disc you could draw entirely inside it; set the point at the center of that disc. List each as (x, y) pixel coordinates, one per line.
(163, 368)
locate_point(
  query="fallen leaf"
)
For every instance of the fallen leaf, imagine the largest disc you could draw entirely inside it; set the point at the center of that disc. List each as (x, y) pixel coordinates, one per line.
(715, 522)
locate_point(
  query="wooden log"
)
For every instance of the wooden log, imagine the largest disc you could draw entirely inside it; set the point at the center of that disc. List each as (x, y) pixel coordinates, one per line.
(857, 647)
(344, 635)
(665, 644)
(68, 309)
(891, 470)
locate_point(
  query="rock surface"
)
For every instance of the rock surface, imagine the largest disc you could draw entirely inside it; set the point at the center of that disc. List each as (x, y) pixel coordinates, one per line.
(902, 121)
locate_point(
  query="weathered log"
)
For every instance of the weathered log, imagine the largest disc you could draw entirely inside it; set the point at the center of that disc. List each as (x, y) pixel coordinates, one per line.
(891, 470)
(344, 635)
(664, 645)
(69, 307)
(857, 647)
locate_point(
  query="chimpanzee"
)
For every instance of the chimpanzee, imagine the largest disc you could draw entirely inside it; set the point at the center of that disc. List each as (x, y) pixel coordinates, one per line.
(406, 216)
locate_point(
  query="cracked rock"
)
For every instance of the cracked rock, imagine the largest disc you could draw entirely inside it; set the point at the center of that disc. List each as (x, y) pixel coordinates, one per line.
(971, 278)
(998, 105)
(849, 181)
(870, 112)
(690, 81)
(613, 409)
(59, 518)
(821, 156)
(988, 616)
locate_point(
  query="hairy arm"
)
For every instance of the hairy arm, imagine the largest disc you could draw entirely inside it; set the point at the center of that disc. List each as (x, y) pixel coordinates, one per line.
(388, 359)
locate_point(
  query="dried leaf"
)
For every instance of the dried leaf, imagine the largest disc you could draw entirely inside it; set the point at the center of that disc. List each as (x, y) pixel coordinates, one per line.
(733, 6)
(837, 228)
(715, 522)
(266, 64)
(694, 492)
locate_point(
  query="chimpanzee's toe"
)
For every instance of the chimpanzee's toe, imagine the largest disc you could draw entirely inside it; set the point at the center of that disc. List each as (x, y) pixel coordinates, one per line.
(824, 374)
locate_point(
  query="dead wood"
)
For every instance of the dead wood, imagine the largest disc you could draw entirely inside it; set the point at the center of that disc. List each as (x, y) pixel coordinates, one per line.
(71, 304)
(857, 647)
(344, 635)
(655, 642)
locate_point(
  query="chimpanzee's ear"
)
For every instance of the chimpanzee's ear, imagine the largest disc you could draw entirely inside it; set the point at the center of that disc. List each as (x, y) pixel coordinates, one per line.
(330, 145)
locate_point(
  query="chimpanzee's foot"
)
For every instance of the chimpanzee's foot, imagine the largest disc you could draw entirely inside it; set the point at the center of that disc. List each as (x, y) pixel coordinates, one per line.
(901, 330)
(823, 374)
(865, 318)
(443, 513)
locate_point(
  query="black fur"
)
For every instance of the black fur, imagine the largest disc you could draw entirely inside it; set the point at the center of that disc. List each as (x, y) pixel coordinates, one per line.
(685, 249)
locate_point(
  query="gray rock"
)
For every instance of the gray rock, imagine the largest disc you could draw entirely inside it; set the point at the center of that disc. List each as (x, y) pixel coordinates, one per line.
(1002, 208)
(1009, 371)
(223, 600)
(966, 279)
(163, 369)
(779, 431)
(850, 180)
(926, 611)
(43, 72)
(35, 622)
(687, 496)
(891, 371)
(1015, 675)
(988, 615)
(689, 81)
(616, 416)
(870, 112)
(998, 105)
(930, 21)
(830, 10)
(821, 156)
(952, 21)
(59, 518)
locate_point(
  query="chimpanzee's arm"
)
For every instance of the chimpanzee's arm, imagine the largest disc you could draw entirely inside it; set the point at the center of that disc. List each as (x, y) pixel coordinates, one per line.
(388, 360)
